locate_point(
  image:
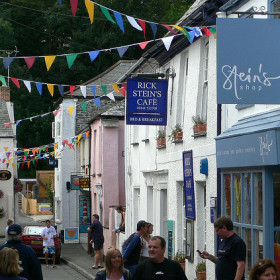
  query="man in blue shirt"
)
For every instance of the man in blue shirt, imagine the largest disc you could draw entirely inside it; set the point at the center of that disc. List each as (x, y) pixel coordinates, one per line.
(230, 262)
(131, 251)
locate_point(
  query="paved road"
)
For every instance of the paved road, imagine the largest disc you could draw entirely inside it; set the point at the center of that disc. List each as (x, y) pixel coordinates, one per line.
(62, 272)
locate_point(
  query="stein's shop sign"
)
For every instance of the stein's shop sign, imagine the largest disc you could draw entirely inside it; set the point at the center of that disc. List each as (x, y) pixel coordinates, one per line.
(5, 175)
(146, 101)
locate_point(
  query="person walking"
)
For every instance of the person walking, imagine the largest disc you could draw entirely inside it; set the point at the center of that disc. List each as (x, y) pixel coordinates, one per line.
(121, 226)
(114, 267)
(132, 247)
(29, 261)
(158, 267)
(10, 265)
(144, 254)
(264, 269)
(231, 256)
(48, 233)
(97, 241)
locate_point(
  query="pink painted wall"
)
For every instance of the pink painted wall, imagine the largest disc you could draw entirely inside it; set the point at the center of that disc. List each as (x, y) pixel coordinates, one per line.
(107, 163)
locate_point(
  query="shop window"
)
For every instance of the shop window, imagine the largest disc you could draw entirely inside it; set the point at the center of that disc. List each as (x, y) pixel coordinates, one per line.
(258, 198)
(276, 191)
(248, 241)
(247, 198)
(276, 8)
(237, 198)
(227, 184)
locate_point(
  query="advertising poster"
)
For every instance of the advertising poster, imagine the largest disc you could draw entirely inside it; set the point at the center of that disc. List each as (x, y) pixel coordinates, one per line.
(71, 235)
(84, 213)
(75, 182)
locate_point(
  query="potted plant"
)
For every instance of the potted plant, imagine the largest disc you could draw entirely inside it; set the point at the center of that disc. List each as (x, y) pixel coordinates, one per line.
(201, 271)
(200, 125)
(180, 257)
(176, 134)
(161, 140)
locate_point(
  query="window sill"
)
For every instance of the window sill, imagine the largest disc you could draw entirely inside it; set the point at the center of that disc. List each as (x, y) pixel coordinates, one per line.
(202, 134)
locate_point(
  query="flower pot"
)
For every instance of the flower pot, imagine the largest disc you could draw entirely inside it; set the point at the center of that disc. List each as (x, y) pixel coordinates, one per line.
(199, 128)
(178, 136)
(161, 142)
(201, 275)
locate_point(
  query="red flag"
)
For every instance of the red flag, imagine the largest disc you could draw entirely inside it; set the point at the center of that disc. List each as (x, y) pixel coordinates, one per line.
(122, 91)
(143, 25)
(15, 81)
(143, 45)
(74, 6)
(206, 31)
(72, 89)
(29, 61)
(124, 85)
(6, 124)
(169, 28)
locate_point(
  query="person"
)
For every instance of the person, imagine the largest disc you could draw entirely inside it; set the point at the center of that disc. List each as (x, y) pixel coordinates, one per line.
(9, 223)
(121, 226)
(263, 270)
(10, 265)
(132, 247)
(230, 262)
(114, 267)
(144, 254)
(48, 233)
(97, 241)
(158, 267)
(29, 261)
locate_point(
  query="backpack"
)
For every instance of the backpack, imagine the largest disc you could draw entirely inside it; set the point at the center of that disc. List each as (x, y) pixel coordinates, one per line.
(126, 242)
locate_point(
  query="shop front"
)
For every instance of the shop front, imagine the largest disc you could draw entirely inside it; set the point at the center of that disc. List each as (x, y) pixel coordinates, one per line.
(248, 156)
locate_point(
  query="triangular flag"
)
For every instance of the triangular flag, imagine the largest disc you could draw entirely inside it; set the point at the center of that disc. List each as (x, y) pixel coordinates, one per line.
(43, 115)
(104, 89)
(33, 161)
(115, 87)
(124, 85)
(26, 152)
(143, 25)
(97, 101)
(2, 79)
(93, 55)
(29, 61)
(84, 91)
(192, 33)
(111, 96)
(59, 2)
(70, 59)
(167, 42)
(39, 87)
(56, 112)
(134, 23)
(18, 122)
(50, 88)
(84, 106)
(90, 9)
(122, 50)
(55, 146)
(154, 28)
(49, 61)
(7, 61)
(61, 90)
(122, 91)
(7, 165)
(180, 28)
(206, 31)
(87, 133)
(143, 45)
(15, 81)
(84, 136)
(8, 154)
(79, 137)
(74, 6)
(6, 149)
(93, 89)
(6, 124)
(169, 28)
(22, 164)
(106, 13)
(119, 20)
(28, 164)
(13, 164)
(28, 85)
(212, 30)
(70, 110)
(72, 87)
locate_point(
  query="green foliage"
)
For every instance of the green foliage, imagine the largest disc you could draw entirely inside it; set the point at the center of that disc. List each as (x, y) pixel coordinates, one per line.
(198, 119)
(161, 134)
(50, 193)
(179, 256)
(176, 129)
(201, 267)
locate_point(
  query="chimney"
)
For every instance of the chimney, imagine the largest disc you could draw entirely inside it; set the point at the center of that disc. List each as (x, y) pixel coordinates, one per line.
(5, 93)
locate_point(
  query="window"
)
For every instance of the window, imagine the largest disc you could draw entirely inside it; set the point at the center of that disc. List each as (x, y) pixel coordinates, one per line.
(276, 8)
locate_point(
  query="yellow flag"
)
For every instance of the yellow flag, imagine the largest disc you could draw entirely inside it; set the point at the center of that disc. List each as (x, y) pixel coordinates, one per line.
(179, 28)
(13, 165)
(9, 161)
(49, 61)
(6, 149)
(70, 110)
(79, 137)
(50, 88)
(55, 146)
(116, 88)
(90, 9)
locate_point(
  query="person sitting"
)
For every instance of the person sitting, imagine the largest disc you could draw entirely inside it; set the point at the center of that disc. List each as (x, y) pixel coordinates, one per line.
(264, 269)
(10, 265)
(114, 267)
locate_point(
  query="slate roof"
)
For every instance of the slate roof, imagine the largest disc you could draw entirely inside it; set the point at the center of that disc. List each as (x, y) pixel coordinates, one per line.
(4, 118)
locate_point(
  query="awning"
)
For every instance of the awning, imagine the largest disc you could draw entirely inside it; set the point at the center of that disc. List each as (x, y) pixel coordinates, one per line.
(252, 141)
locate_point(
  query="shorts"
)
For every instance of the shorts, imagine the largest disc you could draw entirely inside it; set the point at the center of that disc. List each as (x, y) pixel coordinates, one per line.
(49, 250)
(98, 244)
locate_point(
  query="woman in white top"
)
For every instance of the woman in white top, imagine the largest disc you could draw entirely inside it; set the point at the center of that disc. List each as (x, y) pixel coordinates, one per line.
(144, 255)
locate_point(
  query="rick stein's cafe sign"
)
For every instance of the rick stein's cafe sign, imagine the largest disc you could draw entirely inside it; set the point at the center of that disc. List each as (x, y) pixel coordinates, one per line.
(146, 101)
(248, 61)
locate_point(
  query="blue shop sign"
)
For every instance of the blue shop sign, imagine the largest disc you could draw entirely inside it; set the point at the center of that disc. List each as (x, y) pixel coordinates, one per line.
(189, 185)
(146, 101)
(256, 149)
(248, 64)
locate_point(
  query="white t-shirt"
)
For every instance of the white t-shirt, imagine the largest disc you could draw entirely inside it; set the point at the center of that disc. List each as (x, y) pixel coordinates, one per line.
(49, 233)
(144, 249)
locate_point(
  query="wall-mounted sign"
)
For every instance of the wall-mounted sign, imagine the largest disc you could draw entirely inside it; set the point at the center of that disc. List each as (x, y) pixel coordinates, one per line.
(146, 101)
(5, 175)
(71, 235)
(248, 65)
(189, 184)
(84, 183)
(75, 182)
(44, 207)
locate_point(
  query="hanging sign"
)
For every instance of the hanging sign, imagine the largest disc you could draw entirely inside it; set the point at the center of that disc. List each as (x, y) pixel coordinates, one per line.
(84, 183)
(75, 182)
(146, 101)
(189, 185)
(247, 63)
